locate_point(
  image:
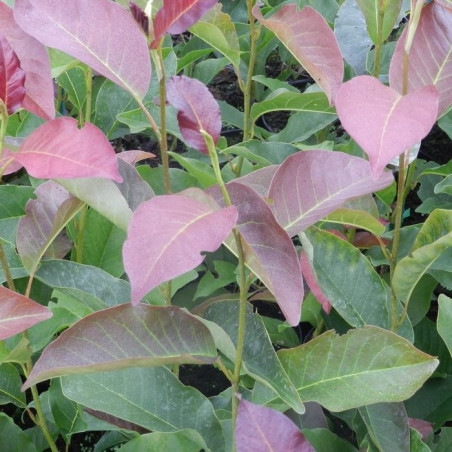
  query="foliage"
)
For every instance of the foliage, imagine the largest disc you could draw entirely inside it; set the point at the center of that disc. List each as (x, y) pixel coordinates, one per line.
(278, 255)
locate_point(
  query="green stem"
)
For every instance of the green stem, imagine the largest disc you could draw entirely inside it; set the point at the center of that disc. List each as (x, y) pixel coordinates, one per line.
(89, 93)
(6, 269)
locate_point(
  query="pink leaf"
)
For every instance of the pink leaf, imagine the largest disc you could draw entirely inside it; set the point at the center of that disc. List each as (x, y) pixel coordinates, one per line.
(260, 179)
(311, 41)
(176, 17)
(263, 429)
(132, 157)
(126, 336)
(139, 16)
(311, 280)
(99, 33)
(166, 236)
(34, 60)
(197, 110)
(8, 161)
(18, 313)
(311, 184)
(12, 78)
(60, 150)
(423, 427)
(384, 123)
(430, 59)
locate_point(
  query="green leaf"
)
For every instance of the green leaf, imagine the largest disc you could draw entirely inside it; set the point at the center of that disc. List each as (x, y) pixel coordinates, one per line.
(259, 356)
(444, 321)
(326, 441)
(151, 397)
(444, 186)
(358, 219)
(224, 275)
(13, 199)
(200, 170)
(364, 366)
(445, 441)
(74, 84)
(10, 383)
(12, 438)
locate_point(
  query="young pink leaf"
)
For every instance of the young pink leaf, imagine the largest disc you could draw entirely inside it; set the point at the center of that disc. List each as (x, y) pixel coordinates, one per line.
(263, 429)
(133, 157)
(176, 17)
(60, 150)
(383, 122)
(166, 236)
(430, 59)
(311, 184)
(12, 78)
(259, 180)
(311, 41)
(197, 110)
(18, 313)
(34, 60)
(8, 163)
(99, 33)
(126, 336)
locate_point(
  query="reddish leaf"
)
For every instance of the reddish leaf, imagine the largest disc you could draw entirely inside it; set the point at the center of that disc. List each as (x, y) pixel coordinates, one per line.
(445, 3)
(176, 17)
(18, 313)
(430, 59)
(423, 427)
(384, 123)
(140, 16)
(263, 429)
(60, 150)
(197, 110)
(311, 41)
(260, 179)
(133, 157)
(126, 336)
(34, 60)
(8, 161)
(101, 34)
(12, 78)
(166, 236)
(311, 184)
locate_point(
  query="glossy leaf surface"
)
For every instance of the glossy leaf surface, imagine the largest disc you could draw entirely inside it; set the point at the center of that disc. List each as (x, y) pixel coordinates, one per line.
(309, 38)
(18, 313)
(166, 237)
(101, 34)
(375, 366)
(197, 110)
(261, 428)
(60, 150)
(311, 184)
(126, 336)
(383, 122)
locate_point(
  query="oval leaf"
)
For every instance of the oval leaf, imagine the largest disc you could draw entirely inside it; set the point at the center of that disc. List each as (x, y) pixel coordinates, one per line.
(18, 313)
(324, 181)
(262, 429)
(375, 366)
(197, 110)
(176, 17)
(309, 38)
(60, 150)
(383, 122)
(166, 237)
(101, 34)
(126, 336)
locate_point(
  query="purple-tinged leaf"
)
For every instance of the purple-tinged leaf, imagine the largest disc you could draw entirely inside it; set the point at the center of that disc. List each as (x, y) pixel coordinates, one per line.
(60, 150)
(263, 429)
(8, 163)
(384, 123)
(139, 16)
(425, 428)
(445, 3)
(101, 34)
(166, 236)
(177, 17)
(18, 313)
(260, 179)
(430, 58)
(126, 336)
(311, 184)
(12, 78)
(197, 110)
(34, 60)
(311, 41)
(38, 232)
(133, 157)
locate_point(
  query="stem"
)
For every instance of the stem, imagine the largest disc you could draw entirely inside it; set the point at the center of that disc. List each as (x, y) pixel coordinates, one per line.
(89, 92)
(6, 269)
(80, 236)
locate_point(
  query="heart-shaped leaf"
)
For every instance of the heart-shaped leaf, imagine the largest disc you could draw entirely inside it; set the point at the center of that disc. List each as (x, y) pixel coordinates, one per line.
(261, 428)
(34, 60)
(166, 236)
(18, 313)
(309, 38)
(12, 78)
(197, 110)
(384, 123)
(311, 184)
(60, 150)
(101, 34)
(176, 17)
(126, 336)
(430, 59)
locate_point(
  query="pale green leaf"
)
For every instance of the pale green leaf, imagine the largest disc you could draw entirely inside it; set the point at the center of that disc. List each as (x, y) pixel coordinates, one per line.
(358, 219)
(444, 321)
